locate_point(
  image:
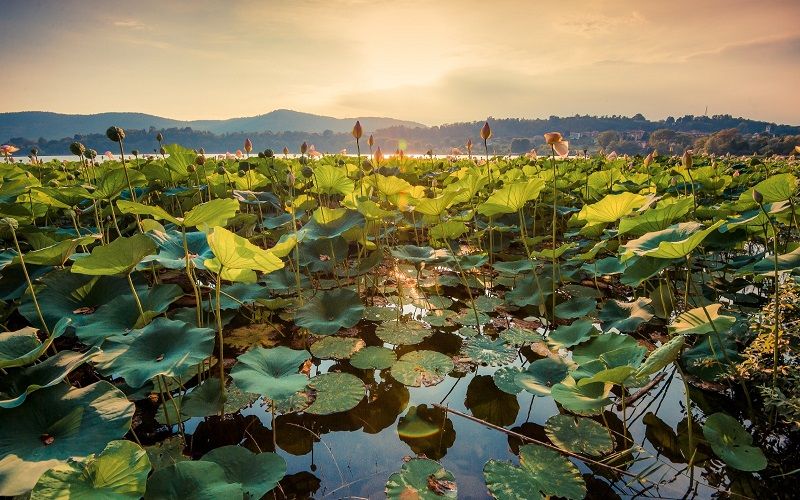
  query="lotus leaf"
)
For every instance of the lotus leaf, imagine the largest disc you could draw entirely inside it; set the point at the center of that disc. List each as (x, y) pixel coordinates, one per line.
(330, 311)
(422, 479)
(117, 258)
(373, 358)
(542, 471)
(271, 372)
(335, 392)
(541, 375)
(732, 443)
(422, 368)
(579, 435)
(257, 473)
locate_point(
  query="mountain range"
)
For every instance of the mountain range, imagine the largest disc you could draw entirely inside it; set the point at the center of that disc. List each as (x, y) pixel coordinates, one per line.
(36, 124)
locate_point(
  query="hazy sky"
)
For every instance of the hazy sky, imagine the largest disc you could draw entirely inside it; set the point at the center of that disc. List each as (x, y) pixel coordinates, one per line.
(432, 61)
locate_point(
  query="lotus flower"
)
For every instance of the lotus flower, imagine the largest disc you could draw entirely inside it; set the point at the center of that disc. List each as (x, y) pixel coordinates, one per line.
(371, 140)
(612, 156)
(285, 151)
(343, 151)
(797, 150)
(531, 154)
(648, 159)
(559, 145)
(248, 145)
(109, 155)
(357, 130)
(378, 155)
(239, 153)
(686, 159)
(8, 149)
(469, 146)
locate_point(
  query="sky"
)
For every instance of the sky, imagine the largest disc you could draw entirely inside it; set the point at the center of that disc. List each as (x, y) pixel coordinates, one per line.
(435, 62)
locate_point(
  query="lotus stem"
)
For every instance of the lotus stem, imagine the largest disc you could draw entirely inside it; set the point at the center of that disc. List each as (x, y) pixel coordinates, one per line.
(218, 312)
(190, 275)
(135, 295)
(555, 195)
(28, 280)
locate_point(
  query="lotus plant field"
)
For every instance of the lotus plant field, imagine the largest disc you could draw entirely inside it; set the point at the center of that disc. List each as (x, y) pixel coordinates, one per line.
(191, 326)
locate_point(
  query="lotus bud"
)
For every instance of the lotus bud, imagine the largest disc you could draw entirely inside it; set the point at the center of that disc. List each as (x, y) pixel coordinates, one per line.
(162, 151)
(54, 183)
(736, 174)
(77, 148)
(241, 173)
(160, 137)
(269, 153)
(303, 148)
(307, 172)
(686, 159)
(469, 145)
(366, 165)
(357, 131)
(70, 177)
(221, 170)
(648, 159)
(200, 160)
(303, 160)
(290, 179)
(378, 155)
(758, 197)
(115, 134)
(248, 145)
(371, 140)
(285, 150)
(797, 150)
(191, 168)
(486, 132)
(35, 151)
(429, 152)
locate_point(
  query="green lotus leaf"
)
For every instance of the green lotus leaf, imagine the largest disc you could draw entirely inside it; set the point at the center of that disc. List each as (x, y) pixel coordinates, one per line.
(542, 472)
(600, 345)
(732, 443)
(171, 254)
(448, 230)
(55, 255)
(515, 267)
(511, 198)
(22, 347)
(202, 401)
(167, 452)
(434, 206)
(541, 375)
(675, 242)
(485, 351)
(270, 372)
(234, 253)
(336, 347)
(489, 403)
(617, 375)
(54, 425)
(588, 399)
(335, 392)
(17, 384)
(439, 317)
(531, 290)
(73, 296)
(712, 357)
(662, 356)
(579, 435)
(258, 473)
(329, 179)
(422, 479)
(211, 213)
(121, 315)
(625, 316)
(329, 311)
(419, 255)
(62, 197)
(115, 181)
(701, 321)
(132, 207)
(656, 219)
(119, 472)
(571, 335)
(199, 480)
(380, 314)
(575, 308)
(390, 185)
(778, 187)
(117, 258)
(505, 379)
(612, 207)
(234, 296)
(641, 268)
(786, 263)
(373, 358)
(164, 347)
(331, 228)
(755, 218)
(323, 254)
(518, 337)
(422, 368)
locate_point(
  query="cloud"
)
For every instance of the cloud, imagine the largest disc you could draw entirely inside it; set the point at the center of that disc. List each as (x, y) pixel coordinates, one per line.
(130, 24)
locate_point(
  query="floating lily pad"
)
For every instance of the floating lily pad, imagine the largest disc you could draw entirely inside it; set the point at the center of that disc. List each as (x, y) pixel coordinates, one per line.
(541, 375)
(485, 351)
(589, 399)
(120, 471)
(519, 337)
(192, 479)
(422, 479)
(422, 368)
(403, 332)
(575, 308)
(166, 453)
(335, 392)
(626, 316)
(373, 358)
(329, 311)
(164, 347)
(419, 255)
(542, 471)
(270, 372)
(579, 435)
(257, 473)
(571, 335)
(732, 443)
(336, 347)
(505, 379)
(57, 424)
(701, 321)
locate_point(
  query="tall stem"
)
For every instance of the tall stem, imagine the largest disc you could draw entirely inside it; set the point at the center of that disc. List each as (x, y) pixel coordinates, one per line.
(555, 195)
(28, 279)
(135, 295)
(218, 313)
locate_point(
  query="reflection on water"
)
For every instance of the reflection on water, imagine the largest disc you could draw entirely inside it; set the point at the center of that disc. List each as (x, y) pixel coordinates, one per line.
(427, 431)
